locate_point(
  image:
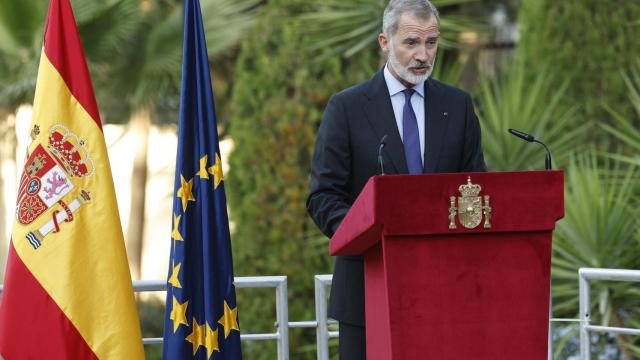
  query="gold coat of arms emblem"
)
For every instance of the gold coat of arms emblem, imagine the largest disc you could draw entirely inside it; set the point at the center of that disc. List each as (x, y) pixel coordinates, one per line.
(470, 209)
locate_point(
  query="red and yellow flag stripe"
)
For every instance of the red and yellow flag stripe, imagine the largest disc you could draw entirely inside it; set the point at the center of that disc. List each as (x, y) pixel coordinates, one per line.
(70, 297)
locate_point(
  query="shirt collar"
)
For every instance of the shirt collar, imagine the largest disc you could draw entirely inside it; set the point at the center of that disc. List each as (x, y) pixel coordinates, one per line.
(395, 86)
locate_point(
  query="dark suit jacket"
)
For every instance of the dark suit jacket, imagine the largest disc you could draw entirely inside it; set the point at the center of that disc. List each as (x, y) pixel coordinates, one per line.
(345, 157)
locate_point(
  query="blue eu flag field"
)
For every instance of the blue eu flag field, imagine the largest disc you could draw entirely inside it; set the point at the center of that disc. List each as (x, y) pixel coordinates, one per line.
(201, 319)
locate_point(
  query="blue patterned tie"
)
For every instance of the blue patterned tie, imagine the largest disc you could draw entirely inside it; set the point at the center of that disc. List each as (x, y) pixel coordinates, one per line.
(410, 135)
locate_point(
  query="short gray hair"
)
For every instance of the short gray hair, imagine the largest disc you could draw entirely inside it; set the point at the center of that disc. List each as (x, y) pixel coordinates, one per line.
(423, 9)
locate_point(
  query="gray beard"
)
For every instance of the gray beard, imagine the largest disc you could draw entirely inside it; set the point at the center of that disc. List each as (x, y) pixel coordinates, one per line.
(404, 73)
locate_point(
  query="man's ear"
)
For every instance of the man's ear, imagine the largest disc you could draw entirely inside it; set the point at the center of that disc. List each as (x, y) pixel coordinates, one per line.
(384, 42)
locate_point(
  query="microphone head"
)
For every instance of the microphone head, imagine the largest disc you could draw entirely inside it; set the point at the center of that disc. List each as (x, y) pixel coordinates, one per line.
(383, 141)
(521, 135)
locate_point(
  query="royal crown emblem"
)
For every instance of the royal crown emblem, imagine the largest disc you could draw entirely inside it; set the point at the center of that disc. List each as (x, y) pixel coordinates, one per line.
(470, 208)
(48, 177)
(70, 152)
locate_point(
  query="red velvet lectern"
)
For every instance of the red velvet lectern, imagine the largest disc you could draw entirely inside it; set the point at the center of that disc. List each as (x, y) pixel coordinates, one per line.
(437, 292)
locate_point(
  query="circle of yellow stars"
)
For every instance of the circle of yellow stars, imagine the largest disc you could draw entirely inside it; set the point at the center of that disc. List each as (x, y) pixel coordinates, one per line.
(201, 334)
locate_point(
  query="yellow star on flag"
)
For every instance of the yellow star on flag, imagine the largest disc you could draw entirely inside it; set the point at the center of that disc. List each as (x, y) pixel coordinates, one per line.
(203, 168)
(175, 234)
(185, 193)
(197, 336)
(229, 320)
(178, 313)
(173, 280)
(211, 340)
(216, 171)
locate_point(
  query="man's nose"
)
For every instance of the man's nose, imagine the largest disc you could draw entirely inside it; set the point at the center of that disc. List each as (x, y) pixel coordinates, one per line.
(421, 54)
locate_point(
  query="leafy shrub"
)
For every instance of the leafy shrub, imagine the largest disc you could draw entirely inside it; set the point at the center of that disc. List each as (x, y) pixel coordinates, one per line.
(279, 97)
(589, 42)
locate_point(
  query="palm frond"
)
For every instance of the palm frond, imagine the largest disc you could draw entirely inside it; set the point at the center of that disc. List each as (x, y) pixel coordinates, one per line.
(627, 130)
(599, 230)
(348, 27)
(449, 73)
(21, 23)
(227, 22)
(105, 27)
(512, 100)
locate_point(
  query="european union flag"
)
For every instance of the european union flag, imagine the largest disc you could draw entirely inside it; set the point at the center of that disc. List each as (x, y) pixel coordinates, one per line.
(201, 320)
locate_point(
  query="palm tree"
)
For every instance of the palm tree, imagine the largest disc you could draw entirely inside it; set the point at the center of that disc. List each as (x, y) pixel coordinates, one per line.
(21, 27)
(103, 27)
(144, 83)
(514, 100)
(134, 50)
(600, 230)
(349, 27)
(627, 130)
(7, 156)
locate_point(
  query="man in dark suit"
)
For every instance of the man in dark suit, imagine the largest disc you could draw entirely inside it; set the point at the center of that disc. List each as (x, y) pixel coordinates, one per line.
(430, 127)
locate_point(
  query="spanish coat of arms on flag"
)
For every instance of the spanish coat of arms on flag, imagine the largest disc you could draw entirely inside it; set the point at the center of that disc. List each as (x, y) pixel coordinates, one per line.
(67, 291)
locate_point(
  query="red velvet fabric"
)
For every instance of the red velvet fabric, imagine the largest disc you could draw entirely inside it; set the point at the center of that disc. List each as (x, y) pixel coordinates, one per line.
(436, 293)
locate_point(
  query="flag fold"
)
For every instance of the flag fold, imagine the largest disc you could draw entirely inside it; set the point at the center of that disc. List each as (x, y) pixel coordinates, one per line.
(67, 291)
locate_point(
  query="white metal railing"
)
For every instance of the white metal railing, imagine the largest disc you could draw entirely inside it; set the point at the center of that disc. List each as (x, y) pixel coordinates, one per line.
(322, 322)
(553, 321)
(282, 309)
(322, 331)
(586, 275)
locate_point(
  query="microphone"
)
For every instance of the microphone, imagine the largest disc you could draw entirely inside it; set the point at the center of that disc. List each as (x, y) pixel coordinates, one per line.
(531, 138)
(383, 142)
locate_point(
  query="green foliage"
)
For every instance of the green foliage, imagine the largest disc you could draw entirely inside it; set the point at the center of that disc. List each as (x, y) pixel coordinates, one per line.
(149, 67)
(350, 27)
(103, 27)
(627, 130)
(20, 26)
(226, 22)
(588, 41)
(537, 107)
(133, 48)
(151, 313)
(278, 103)
(600, 230)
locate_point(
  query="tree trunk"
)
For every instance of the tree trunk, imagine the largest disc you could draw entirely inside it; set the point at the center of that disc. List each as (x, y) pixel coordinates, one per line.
(7, 157)
(621, 339)
(139, 124)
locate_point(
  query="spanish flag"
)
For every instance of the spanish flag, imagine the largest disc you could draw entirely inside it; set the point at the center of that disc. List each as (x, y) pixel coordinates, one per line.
(67, 292)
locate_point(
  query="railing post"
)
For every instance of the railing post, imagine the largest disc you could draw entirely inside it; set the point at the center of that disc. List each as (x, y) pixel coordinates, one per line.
(322, 331)
(282, 314)
(585, 316)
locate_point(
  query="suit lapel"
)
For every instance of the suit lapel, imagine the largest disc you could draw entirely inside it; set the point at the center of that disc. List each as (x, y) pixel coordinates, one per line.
(436, 126)
(380, 115)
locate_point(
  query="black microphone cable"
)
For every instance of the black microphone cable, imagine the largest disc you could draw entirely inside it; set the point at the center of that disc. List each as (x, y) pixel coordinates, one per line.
(383, 142)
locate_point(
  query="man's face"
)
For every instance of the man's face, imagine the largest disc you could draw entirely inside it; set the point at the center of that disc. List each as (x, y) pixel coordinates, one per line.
(412, 49)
